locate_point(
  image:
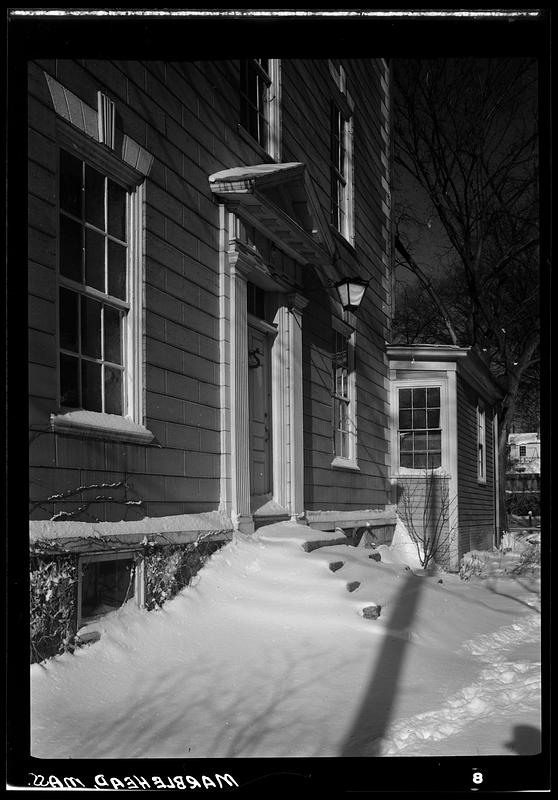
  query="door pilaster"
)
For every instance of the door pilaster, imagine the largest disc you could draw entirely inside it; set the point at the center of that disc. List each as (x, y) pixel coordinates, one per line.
(240, 423)
(296, 304)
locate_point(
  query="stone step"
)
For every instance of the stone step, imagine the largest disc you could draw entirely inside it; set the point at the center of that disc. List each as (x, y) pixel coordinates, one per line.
(335, 565)
(353, 586)
(371, 612)
(314, 544)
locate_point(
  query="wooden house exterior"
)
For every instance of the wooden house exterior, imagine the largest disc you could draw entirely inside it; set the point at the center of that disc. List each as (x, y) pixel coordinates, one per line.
(188, 359)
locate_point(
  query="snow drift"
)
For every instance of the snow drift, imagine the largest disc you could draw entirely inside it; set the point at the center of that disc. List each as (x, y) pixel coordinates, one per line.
(268, 654)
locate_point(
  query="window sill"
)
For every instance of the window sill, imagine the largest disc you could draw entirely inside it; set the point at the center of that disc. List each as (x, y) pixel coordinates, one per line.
(405, 472)
(100, 426)
(348, 241)
(244, 134)
(345, 463)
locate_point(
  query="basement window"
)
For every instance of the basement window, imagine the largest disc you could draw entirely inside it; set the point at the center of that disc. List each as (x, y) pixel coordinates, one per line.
(106, 582)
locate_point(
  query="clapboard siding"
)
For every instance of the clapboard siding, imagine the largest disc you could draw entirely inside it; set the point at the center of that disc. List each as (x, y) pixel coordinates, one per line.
(42, 296)
(181, 341)
(186, 114)
(307, 93)
(476, 500)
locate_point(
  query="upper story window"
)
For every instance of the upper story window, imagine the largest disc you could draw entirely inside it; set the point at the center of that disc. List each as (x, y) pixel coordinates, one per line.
(260, 102)
(419, 428)
(341, 155)
(344, 398)
(481, 444)
(522, 451)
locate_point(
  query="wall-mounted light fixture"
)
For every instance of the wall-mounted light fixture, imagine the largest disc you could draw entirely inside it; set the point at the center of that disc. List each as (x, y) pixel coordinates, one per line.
(351, 292)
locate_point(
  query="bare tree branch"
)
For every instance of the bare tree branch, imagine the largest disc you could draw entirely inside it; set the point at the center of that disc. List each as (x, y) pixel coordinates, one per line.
(466, 133)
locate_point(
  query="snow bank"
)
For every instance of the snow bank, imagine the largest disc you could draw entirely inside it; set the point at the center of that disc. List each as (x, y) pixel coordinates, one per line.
(402, 550)
(267, 655)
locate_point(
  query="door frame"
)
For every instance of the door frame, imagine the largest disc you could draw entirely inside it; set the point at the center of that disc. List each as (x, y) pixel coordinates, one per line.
(240, 265)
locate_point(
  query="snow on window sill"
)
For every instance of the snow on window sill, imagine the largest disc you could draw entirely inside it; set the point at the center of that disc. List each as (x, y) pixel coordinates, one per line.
(105, 426)
(403, 472)
(247, 136)
(345, 463)
(348, 237)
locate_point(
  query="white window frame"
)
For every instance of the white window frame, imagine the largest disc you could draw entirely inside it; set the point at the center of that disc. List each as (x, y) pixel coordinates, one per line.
(420, 383)
(350, 460)
(130, 424)
(138, 593)
(271, 111)
(343, 220)
(481, 442)
(101, 298)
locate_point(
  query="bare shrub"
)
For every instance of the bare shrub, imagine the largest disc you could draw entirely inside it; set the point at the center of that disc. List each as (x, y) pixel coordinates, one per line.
(424, 506)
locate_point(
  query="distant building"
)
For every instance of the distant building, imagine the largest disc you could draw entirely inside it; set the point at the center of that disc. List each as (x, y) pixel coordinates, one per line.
(524, 453)
(523, 475)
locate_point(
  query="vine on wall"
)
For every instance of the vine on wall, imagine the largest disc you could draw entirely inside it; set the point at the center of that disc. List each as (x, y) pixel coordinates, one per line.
(52, 605)
(169, 568)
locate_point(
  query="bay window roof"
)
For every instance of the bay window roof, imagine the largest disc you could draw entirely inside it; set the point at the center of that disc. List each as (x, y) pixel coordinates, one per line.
(468, 364)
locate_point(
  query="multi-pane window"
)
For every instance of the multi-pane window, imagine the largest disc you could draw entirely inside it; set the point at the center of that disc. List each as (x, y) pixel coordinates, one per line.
(93, 287)
(342, 390)
(338, 167)
(481, 442)
(522, 451)
(341, 153)
(420, 433)
(255, 83)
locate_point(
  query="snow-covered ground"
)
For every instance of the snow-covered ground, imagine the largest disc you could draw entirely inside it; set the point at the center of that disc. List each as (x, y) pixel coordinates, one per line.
(268, 654)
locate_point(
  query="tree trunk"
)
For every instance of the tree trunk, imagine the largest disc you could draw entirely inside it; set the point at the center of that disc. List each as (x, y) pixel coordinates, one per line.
(502, 444)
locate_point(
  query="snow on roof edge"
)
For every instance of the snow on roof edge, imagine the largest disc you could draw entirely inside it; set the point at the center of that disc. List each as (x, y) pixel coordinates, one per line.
(523, 438)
